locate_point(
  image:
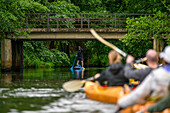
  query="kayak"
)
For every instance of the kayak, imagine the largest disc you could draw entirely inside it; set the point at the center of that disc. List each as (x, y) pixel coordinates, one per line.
(95, 91)
(139, 107)
(111, 95)
(105, 94)
(78, 67)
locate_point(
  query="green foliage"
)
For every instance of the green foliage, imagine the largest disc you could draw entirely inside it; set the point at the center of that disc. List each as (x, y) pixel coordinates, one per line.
(63, 7)
(37, 63)
(143, 29)
(114, 6)
(12, 13)
(60, 19)
(98, 52)
(49, 64)
(143, 6)
(0, 53)
(122, 6)
(36, 54)
(89, 5)
(168, 41)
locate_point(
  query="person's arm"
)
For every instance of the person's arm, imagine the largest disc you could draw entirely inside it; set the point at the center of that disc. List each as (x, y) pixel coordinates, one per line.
(138, 95)
(102, 77)
(135, 73)
(160, 105)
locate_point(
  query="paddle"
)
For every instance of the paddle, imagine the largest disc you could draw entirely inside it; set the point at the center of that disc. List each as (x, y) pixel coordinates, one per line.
(113, 46)
(73, 63)
(107, 43)
(75, 85)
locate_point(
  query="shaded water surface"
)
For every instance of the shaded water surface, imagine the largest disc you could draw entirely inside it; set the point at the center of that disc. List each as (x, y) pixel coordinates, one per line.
(40, 91)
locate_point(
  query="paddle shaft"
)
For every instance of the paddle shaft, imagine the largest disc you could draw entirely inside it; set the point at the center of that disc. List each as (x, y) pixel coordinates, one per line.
(74, 60)
(107, 43)
(140, 60)
(113, 46)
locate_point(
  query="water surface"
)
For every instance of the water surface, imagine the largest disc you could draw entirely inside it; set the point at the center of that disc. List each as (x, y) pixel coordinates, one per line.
(40, 91)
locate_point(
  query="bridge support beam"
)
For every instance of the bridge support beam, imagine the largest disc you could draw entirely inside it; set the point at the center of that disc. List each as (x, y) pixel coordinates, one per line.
(11, 55)
(17, 55)
(6, 55)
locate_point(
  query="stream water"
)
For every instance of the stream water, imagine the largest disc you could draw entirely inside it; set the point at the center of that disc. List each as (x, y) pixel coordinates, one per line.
(40, 91)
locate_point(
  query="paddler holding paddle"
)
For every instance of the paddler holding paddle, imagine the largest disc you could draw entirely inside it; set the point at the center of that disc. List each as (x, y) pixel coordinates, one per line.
(155, 84)
(80, 56)
(114, 74)
(140, 74)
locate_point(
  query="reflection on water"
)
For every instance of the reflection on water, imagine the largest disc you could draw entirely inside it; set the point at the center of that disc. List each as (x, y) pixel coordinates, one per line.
(40, 91)
(77, 74)
(8, 77)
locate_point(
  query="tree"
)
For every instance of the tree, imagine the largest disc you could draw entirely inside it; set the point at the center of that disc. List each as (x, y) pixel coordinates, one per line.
(143, 6)
(142, 29)
(13, 13)
(89, 5)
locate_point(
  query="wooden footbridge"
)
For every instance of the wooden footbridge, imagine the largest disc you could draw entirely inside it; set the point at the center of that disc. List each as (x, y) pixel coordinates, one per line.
(52, 26)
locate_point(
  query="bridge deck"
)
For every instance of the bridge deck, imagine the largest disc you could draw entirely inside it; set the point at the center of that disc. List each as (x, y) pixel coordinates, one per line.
(73, 33)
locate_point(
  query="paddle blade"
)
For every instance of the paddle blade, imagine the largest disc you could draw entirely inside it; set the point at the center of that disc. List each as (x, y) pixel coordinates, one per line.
(73, 85)
(71, 68)
(140, 66)
(107, 43)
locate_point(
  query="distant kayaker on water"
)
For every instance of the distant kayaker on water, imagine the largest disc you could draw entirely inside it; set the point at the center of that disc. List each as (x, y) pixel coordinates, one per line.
(152, 62)
(114, 74)
(80, 56)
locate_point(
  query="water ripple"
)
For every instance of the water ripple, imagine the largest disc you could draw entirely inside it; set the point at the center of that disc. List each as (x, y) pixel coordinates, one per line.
(77, 104)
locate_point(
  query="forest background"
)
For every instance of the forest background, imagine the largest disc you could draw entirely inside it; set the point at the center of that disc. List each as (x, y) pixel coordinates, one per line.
(62, 53)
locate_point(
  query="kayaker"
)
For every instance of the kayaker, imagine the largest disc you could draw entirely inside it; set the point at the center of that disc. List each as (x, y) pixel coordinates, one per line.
(114, 74)
(161, 105)
(154, 85)
(152, 62)
(80, 56)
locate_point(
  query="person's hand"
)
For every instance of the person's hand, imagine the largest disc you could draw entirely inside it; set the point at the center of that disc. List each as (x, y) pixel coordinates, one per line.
(97, 75)
(129, 59)
(144, 109)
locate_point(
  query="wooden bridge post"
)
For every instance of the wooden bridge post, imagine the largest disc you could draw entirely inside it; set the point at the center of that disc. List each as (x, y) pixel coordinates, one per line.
(6, 55)
(154, 43)
(158, 45)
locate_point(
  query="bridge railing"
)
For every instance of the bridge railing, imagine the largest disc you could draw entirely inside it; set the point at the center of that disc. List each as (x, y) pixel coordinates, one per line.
(77, 20)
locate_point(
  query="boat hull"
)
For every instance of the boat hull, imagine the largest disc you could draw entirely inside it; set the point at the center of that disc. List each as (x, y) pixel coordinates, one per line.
(105, 94)
(112, 94)
(139, 107)
(79, 68)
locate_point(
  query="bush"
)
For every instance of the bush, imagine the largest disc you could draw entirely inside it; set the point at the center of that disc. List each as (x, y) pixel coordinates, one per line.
(36, 54)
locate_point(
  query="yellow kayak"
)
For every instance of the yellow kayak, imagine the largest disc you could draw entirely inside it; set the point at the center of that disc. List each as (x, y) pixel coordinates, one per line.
(105, 94)
(139, 107)
(111, 95)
